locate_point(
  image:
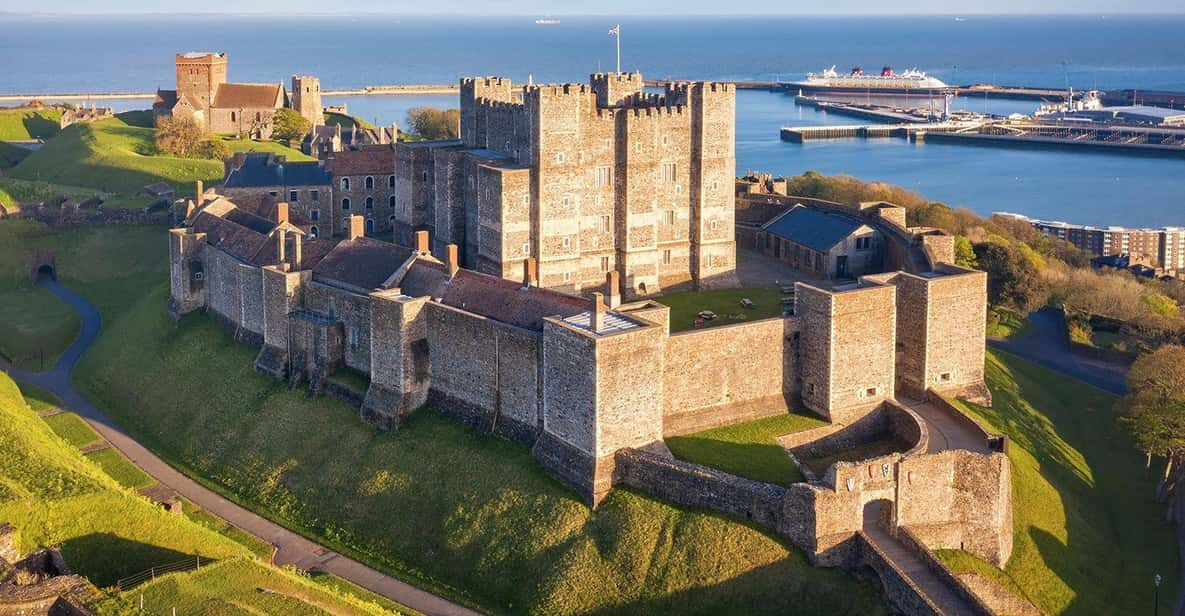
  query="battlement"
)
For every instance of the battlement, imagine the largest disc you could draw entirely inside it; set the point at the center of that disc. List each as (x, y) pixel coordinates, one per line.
(486, 82)
(557, 89)
(197, 57)
(656, 111)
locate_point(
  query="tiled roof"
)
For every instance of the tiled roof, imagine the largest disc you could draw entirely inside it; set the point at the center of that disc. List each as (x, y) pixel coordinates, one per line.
(507, 301)
(260, 169)
(813, 228)
(363, 263)
(377, 160)
(231, 237)
(424, 278)
(249, 95)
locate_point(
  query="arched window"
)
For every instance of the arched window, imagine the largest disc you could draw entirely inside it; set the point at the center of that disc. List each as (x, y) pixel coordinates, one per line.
(345, 183)
(232, 116)
(369, 183)
(369, 226)
(391, 182)
(370, 203)
(391, 220)
(313, 232)
(391, 201)
(345, 204)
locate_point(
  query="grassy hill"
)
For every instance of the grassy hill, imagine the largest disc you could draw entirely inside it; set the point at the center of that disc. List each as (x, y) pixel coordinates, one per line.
(10, 155)
(115, 156)
(465, 513)
(1088, 534)
(25, 124)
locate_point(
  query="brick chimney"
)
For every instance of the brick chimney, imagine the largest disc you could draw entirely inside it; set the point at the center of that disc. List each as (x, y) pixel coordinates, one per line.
(297, 240)
(613, 289)
(281, 212)
(452, 260)
(530, 273)
(281, 240)
(422, 245)
(597, 317)
(357, 227)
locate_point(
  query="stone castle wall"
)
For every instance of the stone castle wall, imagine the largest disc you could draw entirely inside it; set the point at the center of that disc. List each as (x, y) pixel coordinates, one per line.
(352, 310)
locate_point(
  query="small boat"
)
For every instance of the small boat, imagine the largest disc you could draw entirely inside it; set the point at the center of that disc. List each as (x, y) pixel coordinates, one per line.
(546, 21)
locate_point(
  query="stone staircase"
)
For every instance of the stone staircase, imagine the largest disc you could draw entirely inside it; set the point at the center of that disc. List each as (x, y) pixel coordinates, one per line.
(939, 594)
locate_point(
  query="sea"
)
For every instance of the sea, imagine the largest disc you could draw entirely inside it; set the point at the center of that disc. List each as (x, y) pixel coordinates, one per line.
(44, 54)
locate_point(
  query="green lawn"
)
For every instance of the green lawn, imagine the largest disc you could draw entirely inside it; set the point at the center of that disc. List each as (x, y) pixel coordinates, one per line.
(748, 449)
(37, 398)
(10, 155)
(13, 190)
(35, 327)
(258, 547)
(1088, 534)
(1006, 323)
(726, 303)
(120, 468)
(466, 514)
(346, 121)
(242, 586)
(72, 428)
(336, 584)
(114, 156)
(29, 124)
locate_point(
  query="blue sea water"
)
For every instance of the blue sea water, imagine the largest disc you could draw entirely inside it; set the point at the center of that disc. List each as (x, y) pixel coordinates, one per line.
(56, 54)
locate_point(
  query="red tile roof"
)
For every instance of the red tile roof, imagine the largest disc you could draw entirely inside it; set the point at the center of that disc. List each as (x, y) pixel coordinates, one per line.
(507, 301)
(376, 160)
(249, 95)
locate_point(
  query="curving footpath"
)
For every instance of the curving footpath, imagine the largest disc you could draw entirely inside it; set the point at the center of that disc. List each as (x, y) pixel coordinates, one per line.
(291, 548)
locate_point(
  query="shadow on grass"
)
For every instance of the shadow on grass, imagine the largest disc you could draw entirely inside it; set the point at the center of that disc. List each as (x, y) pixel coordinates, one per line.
(39, 126)
(104, 558)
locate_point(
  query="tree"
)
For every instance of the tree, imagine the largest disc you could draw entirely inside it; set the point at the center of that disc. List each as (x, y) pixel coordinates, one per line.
(179, 136)
(1154, 410)
(431, 123)
(964, 252)
(214, 149)
(288, 125)
(1013, 279)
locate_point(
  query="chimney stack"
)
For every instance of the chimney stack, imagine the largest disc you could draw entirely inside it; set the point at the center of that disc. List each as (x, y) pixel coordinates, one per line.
(296, 250)
(530, 273)
(422, 245)
(200, 190)
(281, 212)
(452, 261)
(613, 289)
(357, 227)
(597, 318)
(281, 240)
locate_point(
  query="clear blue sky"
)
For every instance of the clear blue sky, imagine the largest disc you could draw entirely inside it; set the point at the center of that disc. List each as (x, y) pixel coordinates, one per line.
(601, 7)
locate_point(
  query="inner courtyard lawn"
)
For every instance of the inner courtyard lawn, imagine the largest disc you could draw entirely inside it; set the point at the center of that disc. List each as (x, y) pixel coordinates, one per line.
(748, 449)
(726, 303)
(464, 513)
(1089, 535)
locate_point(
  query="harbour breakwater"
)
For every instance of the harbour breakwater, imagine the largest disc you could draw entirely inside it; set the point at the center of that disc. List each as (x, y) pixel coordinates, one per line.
(378, 90)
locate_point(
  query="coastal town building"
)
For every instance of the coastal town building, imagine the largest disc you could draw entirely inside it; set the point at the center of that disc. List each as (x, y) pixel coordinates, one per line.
(822, 244)
(324, 140)
(585, 178)
(1161, 250)
(204, 94)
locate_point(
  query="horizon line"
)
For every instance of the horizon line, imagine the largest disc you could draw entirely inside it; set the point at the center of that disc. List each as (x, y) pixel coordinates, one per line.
(733, 15)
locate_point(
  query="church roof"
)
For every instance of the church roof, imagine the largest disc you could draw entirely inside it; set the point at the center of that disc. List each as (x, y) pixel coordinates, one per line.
(508, 301)
(249, 95)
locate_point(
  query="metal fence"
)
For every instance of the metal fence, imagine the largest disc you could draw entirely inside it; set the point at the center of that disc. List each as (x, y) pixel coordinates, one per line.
(189, 564)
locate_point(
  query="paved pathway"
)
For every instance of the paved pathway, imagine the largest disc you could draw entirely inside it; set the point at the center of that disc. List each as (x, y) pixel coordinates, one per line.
(1045, 344)
(291, 548)
(946, 432)
(917, 572)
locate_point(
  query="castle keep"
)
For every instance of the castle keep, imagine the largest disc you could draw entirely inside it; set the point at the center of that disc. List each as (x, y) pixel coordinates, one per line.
(585, 179)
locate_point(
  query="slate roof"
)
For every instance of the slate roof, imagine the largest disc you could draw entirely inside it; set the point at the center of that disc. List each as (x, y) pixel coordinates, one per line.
(165, 99)
(261, 169)
(233, 238)
(248, 95)
(424, 278)
(815, 229)
(375, 160)
(507, 301)
(363, 263)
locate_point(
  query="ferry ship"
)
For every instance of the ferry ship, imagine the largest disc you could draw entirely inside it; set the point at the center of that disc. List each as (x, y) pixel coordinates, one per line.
(546, 21)
(857, 81)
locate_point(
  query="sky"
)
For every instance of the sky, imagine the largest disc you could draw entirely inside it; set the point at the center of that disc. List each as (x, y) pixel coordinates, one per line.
(601, 7)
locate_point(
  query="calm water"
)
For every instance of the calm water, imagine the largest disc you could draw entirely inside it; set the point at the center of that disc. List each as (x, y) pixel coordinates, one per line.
(94, 54)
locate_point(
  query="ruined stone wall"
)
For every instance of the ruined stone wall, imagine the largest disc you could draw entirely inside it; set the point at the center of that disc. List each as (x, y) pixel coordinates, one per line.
(352, 310)
(901, 593)
(722, 375)
(567, 444)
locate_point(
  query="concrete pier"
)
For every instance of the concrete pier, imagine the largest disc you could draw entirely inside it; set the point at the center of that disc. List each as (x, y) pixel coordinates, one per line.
(911, 131)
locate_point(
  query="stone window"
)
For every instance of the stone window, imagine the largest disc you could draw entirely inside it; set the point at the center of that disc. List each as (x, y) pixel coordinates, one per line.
(391, 181)
(605, 224)
(602, 176)
(712, 225)
(566, 201)
(526, 249)
(567, 242)
(668, 172)
(559, 158)
(369, 225)
(345, 204)
(863, 243)
(870, 392)
(391, 201)
(315, 195)
(370, 203)
(425, 176)
(666, 257)
(345, 224)
(293, 196)
(810, 389)
(273, 193)
(232, 116)
(666, 140)
(369, 182)
(391, 220)
(526, 199)
(944, 377)
(314, 215)
(567, 276)
(313, 232)
(345, 183)
(604, 264)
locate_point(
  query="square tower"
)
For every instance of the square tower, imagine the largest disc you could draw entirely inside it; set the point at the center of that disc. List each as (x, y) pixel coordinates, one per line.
(616, 89)
(199, 73)
(306, 98)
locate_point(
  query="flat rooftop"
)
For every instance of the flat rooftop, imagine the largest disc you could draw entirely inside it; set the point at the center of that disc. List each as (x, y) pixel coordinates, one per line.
(612, 323)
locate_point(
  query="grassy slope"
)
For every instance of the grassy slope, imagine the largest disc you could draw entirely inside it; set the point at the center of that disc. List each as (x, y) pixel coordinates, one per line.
(748, 449)
(10, 155)
(114, 156)
(53, 496)
(120, 469)
(38, 399)
(35, 327)
(71, 428)
(726, 303)
(435, 502)
(1088, 534)
(29, 124)
(346, 121)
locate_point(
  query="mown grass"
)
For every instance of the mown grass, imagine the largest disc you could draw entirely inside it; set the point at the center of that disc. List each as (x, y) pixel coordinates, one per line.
(120, 468)
(257, 546)
(26, 124)
(114, 156)
(336, 584)
(35, 327)
(1006, 323)
(726, 303)
(38, 398)
(10, 156)
(346, 121)
(242, 586)
(467, 514)
(1088, 533)
(13, 190)
(748, 449)
(72, 429)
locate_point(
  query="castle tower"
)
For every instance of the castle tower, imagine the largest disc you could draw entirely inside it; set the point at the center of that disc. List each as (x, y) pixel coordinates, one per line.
(615, 89)
(306, 98)
(713, 199)
(198, 76)
(474, 89)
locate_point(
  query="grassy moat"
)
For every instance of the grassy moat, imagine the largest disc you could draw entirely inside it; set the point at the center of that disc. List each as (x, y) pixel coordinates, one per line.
(472, 515)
